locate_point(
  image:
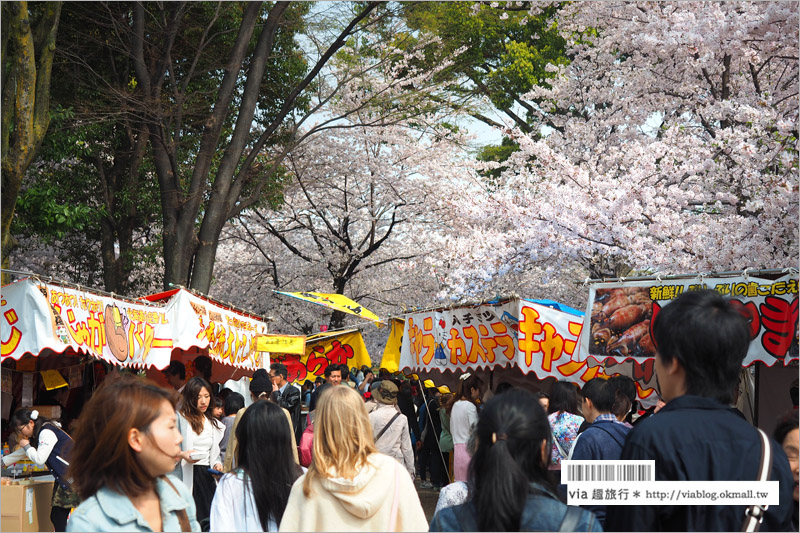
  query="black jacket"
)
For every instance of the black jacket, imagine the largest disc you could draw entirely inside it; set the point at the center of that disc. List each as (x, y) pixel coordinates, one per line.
(700, 439)
(290, 400)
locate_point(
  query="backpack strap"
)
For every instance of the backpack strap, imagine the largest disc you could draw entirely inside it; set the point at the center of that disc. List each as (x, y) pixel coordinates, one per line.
(387, 426)
(183, 516)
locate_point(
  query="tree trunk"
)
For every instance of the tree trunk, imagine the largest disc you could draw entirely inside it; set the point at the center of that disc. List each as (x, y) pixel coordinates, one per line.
(26, 101)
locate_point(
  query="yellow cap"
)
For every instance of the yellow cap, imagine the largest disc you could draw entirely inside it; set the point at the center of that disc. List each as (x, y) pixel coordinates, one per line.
(428, 383)
(443, 389)
(414, 376)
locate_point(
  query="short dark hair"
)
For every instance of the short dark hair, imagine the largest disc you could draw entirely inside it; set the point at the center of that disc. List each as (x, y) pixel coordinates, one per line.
(786, 423)
(709, 337)
(233, 403)
(176, 368)
(563, 398)
(202, 363)
(601, 393)
(345, 370)
(332, 368)
(503, 387)
(280, 369)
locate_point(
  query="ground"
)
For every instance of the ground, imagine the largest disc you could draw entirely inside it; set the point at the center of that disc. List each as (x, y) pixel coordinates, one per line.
(428, 499)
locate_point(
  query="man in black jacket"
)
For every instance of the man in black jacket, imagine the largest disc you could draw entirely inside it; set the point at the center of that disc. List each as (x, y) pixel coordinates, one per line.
(701, 341)
(288, 395)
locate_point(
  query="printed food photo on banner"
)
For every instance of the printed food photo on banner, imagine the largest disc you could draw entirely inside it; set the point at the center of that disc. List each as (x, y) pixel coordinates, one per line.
(620, 322)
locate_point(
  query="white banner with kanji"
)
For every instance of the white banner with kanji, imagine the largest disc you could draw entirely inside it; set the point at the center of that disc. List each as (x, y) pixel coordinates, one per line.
(38, 316)
(533, 337)
(229, 336)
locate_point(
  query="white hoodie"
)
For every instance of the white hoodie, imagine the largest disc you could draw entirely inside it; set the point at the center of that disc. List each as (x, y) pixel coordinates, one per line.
(363, 503)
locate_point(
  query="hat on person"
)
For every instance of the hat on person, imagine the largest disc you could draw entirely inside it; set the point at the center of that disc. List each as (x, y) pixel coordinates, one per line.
(444, 389)
(386, 393)
(429, 384)
(260, 382)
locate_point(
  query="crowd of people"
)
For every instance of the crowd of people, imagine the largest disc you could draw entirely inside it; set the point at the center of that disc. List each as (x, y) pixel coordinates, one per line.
(199, 458)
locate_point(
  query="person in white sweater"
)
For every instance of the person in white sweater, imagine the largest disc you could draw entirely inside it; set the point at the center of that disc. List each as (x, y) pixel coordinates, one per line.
(463, 416)
(349, 485)
(200, 451)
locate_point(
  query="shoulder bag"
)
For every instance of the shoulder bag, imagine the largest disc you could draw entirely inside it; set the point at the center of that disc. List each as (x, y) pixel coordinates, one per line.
(387, 426)
(754, 514)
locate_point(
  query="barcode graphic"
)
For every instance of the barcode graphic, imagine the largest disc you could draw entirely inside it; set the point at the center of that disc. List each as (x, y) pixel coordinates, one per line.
(577, 471)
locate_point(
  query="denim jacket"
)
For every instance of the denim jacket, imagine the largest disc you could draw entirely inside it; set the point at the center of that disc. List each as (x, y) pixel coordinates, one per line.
(109, 510)
(542, 512)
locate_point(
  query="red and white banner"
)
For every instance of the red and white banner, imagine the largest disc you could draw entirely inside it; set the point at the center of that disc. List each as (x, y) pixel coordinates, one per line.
(533, 337)
(38, 316)
(229, 336)
(620, 316)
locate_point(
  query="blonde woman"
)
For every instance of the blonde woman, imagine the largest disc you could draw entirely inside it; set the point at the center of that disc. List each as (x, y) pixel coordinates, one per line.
(349, 485)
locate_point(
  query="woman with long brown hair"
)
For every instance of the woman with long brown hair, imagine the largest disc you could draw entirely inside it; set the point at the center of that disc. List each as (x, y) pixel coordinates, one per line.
(349, 485)
(125, 443)
(202, 434)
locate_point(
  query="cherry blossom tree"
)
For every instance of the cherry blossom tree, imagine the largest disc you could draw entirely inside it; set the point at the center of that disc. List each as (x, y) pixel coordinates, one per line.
(669, 145)
(356, 220)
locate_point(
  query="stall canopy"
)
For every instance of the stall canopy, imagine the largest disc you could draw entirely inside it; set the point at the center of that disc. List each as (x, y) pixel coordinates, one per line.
(531, 335)
(227, 333)
(337, 302)
(39, 316)
(49, 317)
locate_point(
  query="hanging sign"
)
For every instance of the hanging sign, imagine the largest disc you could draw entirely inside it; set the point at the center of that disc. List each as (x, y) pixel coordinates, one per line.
(288, 344)
(229, 336)
(52, 379)
(620, 317)
(37, 316)
(323, 349)
(534, 337)
(75, 376)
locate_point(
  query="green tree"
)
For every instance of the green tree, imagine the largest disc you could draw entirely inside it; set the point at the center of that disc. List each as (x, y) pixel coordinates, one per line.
(224, 174)
(28, 46)
(505, 53)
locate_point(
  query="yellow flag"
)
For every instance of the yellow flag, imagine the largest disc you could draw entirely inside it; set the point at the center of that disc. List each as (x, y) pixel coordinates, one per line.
(334, 301)
(391, 353)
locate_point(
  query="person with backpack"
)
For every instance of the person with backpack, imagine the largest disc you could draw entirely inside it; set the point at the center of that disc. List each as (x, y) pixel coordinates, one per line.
(44, 442)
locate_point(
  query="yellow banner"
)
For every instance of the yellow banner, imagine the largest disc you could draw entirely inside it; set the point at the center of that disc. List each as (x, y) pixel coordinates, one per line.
(334, 301)
(391, 353)
(323, 349)
(290, 344)
(53, 379)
